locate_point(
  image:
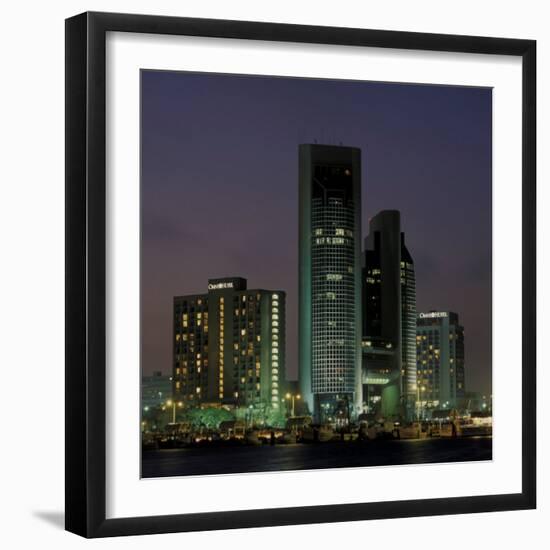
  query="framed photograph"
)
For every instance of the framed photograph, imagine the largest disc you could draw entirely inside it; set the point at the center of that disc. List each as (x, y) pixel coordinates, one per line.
(300, 274)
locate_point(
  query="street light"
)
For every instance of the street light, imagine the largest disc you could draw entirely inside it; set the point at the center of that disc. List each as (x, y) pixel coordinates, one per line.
(292, 397)
(173, 404)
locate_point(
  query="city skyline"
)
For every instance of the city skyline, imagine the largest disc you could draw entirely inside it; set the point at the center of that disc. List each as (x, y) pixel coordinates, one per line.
(183, 217)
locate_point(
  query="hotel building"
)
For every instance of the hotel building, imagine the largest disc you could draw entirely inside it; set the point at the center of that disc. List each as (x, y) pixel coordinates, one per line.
(330, 278)
(389, 318)
(440, 359)
(229, 346)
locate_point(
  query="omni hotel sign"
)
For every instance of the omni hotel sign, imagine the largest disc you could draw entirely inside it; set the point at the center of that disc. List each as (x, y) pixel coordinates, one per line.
(227, 283)
(218, 286)
(432, 315)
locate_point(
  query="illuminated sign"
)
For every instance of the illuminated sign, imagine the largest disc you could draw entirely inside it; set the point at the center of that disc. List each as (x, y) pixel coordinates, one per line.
(433, 315)
(218, 286)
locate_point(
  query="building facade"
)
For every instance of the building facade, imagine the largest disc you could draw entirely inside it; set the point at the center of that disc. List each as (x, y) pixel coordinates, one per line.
(440, 360)
(389, 318)
(330, 278)
(229, 346)
(156, 389)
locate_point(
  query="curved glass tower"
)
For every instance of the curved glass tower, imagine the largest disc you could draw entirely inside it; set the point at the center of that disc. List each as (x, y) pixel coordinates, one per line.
(330, 280)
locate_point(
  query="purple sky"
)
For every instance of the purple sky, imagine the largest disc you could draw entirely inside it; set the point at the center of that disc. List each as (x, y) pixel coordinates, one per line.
(220, 190)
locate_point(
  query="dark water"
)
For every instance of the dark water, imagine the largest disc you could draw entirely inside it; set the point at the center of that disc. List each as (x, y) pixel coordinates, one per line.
(229, 460)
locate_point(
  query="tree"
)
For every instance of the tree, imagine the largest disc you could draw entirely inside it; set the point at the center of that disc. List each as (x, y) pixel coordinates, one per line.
(210, 417)
(276, 418)
(213, 417)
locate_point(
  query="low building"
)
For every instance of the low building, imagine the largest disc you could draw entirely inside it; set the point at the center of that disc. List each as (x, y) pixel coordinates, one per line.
(156, 389)
(440, 360)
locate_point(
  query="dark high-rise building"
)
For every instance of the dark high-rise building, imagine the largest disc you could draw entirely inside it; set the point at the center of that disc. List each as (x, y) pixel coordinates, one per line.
(229, 346)
(330, 278)
(440, 359)
(389, 317)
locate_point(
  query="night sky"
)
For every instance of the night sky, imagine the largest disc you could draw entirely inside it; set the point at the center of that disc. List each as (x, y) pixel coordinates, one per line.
(220, 190)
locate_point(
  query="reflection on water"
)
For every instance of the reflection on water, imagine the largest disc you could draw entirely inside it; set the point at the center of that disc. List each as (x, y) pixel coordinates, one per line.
(204, 461)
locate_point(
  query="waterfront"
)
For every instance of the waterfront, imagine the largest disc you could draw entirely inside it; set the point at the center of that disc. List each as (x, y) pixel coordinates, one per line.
(266, 458)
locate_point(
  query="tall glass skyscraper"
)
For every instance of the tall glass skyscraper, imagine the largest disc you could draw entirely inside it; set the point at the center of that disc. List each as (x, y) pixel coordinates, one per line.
(389, 316)
(330, 279)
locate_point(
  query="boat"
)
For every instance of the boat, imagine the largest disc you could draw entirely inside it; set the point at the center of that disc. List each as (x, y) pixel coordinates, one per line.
(478, 424)
(317, 433)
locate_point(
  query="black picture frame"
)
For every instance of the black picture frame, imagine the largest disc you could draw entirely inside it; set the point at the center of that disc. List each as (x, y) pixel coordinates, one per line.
(86, 284)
